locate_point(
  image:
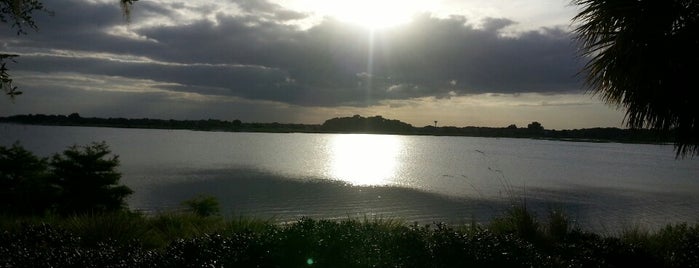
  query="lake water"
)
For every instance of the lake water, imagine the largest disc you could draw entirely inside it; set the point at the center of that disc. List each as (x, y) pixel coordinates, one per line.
(605, 187)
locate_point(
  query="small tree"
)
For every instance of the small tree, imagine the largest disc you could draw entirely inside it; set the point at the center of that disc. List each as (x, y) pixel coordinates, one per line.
(87, 179)
(203, 205)
(24, 184)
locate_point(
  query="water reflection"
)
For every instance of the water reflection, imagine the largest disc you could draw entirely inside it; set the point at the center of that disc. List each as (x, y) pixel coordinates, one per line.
(361, 159)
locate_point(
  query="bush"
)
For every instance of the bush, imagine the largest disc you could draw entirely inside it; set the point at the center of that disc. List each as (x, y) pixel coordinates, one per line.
(519, 221)
(558, 225)
(87, 180)
(203, 205)
(187, 240)
(24, 182)
(80, 180)
(46, 246)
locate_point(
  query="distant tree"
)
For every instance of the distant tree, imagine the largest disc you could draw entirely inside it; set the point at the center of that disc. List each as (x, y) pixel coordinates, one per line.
(513, 126)
(74, 116)
(535, 126)
(24, 182)
(642, 57)
(375, 124)
(237, 123)
(87, 180)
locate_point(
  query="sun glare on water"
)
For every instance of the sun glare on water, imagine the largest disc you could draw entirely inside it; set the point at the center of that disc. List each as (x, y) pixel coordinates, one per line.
(365, 159)
(371, 14)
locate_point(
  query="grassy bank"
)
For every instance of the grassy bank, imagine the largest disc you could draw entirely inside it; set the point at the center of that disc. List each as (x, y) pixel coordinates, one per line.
(517, 239)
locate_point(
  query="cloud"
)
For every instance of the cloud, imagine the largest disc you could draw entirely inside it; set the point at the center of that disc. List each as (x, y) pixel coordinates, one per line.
(269, 10)
(496, 24)
(255, 53)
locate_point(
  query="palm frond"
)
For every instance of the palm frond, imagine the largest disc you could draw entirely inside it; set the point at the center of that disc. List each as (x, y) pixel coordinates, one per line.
(641, 56)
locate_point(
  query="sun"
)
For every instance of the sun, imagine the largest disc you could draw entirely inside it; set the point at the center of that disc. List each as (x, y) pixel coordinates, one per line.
(371, 14)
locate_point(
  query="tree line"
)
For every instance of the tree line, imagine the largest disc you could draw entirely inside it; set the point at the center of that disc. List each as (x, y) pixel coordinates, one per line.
(356, 124)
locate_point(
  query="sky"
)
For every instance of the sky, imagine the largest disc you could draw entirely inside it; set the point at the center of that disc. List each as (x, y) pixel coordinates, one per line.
(461, 63)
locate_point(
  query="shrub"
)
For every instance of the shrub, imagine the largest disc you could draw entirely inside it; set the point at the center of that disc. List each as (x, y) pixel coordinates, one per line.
(558, 225)
(24, 185)
(203, 205)
(88, 180)
(518, 220)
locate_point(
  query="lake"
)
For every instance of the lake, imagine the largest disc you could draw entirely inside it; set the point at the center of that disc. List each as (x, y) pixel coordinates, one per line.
(605, 187)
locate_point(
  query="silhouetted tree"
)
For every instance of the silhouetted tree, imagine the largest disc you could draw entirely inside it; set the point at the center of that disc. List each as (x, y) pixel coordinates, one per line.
(74, 116)
(642, 57)
(88, 180)
(375, 124)
(535, 126)
(24, 182)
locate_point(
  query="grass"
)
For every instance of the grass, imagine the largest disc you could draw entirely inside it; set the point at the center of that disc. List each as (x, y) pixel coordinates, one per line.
(516, 239)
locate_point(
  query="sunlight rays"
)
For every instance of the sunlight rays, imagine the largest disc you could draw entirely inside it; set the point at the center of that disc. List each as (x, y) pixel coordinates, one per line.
(370, 67)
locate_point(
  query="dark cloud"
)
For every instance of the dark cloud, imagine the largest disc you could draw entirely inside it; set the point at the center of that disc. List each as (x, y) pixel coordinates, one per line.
(269, 10)
(258, 56)
(496, 24)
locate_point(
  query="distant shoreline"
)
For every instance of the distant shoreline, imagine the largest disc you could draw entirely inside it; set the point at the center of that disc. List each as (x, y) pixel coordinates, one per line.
(355, 125)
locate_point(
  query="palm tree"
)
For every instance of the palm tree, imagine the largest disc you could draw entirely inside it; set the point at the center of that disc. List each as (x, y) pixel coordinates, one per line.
(642, 57)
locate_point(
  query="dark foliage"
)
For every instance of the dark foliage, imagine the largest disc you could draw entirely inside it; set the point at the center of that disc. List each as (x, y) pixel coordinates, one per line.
(382, 125)
(203, 206)
(87, 180)
(376, 124)
(75, 119)
(5, 78)
(25, 188)
(126, 8)
(46, 246)
(535, 126)
(482, 248)
(642, 57)
(18, 13)
(79, 180)
(352, 243)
